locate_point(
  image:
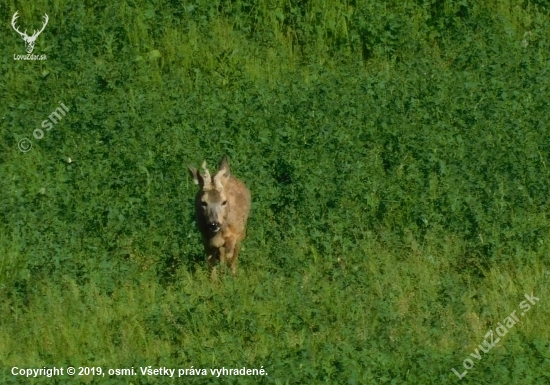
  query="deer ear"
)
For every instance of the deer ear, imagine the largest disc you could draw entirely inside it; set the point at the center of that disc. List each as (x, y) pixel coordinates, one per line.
(195, 175)
(224, 166)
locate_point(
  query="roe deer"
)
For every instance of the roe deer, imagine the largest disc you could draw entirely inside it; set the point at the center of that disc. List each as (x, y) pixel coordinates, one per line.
(221, 207)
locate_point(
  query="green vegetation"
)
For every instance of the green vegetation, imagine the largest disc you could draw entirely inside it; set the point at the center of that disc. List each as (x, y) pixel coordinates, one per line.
(397, 153)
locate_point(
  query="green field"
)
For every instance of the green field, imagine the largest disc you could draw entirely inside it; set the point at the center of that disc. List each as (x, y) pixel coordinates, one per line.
(398, 157)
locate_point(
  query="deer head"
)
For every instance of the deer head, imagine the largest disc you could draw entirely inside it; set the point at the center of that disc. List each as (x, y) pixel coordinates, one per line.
(29, 40)
(213, 197)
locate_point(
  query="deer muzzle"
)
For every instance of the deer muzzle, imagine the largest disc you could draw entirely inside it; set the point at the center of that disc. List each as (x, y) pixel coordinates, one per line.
(214, 227)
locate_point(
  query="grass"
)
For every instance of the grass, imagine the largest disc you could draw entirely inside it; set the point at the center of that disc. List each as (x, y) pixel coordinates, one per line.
(397, 154)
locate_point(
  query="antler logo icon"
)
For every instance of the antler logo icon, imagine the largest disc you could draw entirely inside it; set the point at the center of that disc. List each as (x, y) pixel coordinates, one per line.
(29, 40)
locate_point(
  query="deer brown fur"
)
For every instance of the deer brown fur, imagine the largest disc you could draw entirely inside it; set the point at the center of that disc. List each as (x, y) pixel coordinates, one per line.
(222, 206)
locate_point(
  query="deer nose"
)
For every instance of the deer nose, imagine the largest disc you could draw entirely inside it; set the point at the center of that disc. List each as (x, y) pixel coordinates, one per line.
(214, 226)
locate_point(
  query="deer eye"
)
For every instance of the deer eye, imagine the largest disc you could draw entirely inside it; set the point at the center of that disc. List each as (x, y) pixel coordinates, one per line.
(224, 203)
(203, 204)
